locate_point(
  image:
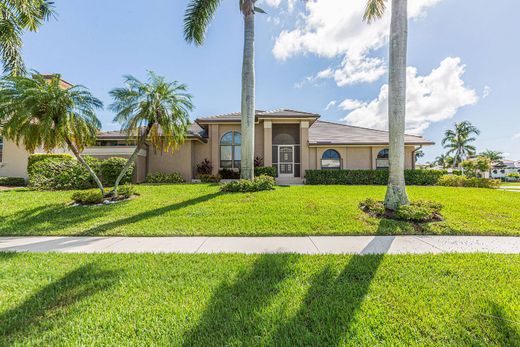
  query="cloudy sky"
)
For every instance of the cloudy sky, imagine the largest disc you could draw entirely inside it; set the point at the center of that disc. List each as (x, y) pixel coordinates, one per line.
(316, 56)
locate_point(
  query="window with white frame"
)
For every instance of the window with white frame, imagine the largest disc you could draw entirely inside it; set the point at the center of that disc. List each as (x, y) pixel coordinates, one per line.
(382, 159)
(230, 150)
(330, 160)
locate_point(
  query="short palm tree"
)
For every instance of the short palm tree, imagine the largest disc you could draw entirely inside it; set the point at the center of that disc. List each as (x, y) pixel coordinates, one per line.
(494, 156)
(38, 112)
(396, 191)
(156, 111)
(458, 142)
(15, 18)
(196, 20)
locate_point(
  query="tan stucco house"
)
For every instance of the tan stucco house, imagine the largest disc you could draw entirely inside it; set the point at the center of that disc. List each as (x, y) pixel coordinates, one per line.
(291, 141)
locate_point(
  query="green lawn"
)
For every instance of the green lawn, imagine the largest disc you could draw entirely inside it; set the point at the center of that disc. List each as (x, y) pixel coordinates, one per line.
(510, 184)
(297, 210)
(240, 300)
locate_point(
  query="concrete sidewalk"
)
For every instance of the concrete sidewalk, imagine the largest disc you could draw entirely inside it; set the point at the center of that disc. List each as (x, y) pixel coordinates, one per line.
(251, 245)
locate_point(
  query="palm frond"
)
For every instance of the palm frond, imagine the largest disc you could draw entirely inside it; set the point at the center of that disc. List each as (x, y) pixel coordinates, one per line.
(197, 17)
(374, 9)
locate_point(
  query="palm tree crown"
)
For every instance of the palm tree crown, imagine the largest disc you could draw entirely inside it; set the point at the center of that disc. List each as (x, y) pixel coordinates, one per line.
(40, 112)
(458, 141)
(155, 108)
(15, 17)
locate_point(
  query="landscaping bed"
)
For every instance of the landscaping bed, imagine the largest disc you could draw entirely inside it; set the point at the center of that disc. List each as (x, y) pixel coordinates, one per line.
(282, 300)
(201, 209)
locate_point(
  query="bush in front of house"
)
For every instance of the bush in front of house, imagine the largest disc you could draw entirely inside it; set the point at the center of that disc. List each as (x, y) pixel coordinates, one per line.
(247, 186)
(229, 174)
(472, 182)
(12, 181)
(210, 178)
(160, 177)
(420, 211)
(94, 196)
(35, 158)
(370, 177)
(204, 168)
(265, 170)
(61, 173)
(109, 170)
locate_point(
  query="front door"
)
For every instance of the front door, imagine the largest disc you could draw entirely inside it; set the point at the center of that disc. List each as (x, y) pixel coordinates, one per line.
(286, 161)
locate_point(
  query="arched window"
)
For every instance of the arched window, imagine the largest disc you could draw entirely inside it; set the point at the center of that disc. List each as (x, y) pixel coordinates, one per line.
(230, 150)
(330, 160)
(382, 159)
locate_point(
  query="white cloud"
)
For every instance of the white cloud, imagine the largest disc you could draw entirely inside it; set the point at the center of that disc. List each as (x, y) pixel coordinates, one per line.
(432, 98)
(351, 104)
(330, 105)
(332, 28)
(516, 136)
(273, 3)
(486, 92)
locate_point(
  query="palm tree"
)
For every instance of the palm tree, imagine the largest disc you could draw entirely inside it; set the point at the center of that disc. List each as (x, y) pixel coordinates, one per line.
(443, 160)
(494, 156)
(157, 111)
(196, 20)
(38, 112)
(15, 17)
(458, 141)
(396, 191)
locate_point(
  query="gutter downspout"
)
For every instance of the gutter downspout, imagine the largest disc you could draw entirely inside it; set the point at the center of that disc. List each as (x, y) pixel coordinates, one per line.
(413, 156)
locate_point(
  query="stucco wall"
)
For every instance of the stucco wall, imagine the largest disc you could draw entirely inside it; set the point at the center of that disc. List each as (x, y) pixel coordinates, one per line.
(14, 162)
(358, 158)
(172, 161)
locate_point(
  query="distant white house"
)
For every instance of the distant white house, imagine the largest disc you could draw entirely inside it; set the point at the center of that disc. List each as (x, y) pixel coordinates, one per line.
(500, 171)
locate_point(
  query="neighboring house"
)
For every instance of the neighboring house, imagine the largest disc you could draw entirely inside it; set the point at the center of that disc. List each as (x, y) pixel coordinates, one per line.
(505, 167)
(291, 141)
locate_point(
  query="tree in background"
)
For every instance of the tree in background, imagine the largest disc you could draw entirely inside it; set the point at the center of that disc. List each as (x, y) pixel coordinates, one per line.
(444, 160)
(15, 18)
(458, 142)
(156, 111)
(474, 166)
(196, 20)
(396, 191)
(39, 112)
(495, 156)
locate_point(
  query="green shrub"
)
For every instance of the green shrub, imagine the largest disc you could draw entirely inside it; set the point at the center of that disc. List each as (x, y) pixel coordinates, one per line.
(210, 178)
(265, 170)
(109, 170)
(34, 158)
(61, 174)
(160, 177)
(204, 167)
(473, 182)
(12, 181)
(126, 191)
(414, 213)
(229, 174)
(370, 177)
(88, 197)
(372, 207)
(246, 186)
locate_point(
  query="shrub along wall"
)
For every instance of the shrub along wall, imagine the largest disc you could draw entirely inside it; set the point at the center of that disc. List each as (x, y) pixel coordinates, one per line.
(64, 172)
(12, 181)
(370, 177)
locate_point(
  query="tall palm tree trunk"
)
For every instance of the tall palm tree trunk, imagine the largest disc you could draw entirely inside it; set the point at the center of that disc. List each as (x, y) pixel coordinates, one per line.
(140, 144)
(396, 191)
(248, 94)
(84, 163)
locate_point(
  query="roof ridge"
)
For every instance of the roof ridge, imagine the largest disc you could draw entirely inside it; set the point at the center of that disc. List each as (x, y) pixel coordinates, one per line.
(358, 127)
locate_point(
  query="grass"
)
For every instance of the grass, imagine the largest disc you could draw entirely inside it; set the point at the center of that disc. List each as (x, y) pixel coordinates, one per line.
(298, 210)
(240, 300)
(510, 184)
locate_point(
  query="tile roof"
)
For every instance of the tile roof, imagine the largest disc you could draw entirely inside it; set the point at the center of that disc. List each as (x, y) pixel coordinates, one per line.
(278, 113)
(194, 130)
(323, 132)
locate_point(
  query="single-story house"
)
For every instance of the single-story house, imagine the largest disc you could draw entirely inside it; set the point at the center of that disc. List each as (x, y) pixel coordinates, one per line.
(290, 141)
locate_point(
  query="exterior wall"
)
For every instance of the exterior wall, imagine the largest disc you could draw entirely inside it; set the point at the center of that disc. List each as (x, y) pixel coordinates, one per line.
(358, 158)
(259, 141)
(304, 147)
(268, 143)
(200, 151)
(14, 162)
(176, 161)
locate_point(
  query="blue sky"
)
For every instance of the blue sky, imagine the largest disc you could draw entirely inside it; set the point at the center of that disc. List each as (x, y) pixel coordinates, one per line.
(308, 55)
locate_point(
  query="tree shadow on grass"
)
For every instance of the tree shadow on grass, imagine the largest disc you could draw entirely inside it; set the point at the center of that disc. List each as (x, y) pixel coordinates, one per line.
(506, 331)
(235, 310)
(99, 229)
(332, 301)
(48, 307)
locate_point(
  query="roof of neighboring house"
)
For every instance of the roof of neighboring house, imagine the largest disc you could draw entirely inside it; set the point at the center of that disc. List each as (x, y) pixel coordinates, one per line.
(279, 113)
(329, 133)
(64, 84)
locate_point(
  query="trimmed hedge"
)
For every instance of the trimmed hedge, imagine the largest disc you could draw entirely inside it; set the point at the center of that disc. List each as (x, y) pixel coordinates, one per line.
(35, 158)
(12, 181)
(265, 171)
(370, 177)
(257, 184)
(109, 170)
(472, 182)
